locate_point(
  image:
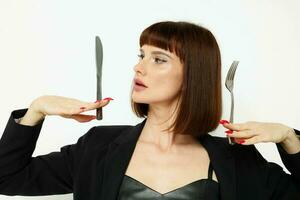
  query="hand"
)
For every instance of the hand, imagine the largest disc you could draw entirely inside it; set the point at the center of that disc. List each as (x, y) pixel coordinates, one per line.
(66, 107)
(253, 132)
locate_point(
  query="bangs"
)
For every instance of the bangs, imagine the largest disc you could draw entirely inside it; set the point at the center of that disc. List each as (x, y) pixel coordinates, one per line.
(164, 37)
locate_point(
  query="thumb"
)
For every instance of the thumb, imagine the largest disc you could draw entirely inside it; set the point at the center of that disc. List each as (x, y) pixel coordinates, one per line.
(83, 118)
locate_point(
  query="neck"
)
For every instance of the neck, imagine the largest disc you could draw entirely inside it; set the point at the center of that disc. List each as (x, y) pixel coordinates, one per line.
(161, 117)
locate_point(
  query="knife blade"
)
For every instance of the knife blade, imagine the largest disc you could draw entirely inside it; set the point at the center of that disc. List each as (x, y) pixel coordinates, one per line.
(99, 60)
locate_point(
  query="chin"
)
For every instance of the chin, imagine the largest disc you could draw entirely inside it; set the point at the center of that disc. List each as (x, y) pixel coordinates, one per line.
(136, 99)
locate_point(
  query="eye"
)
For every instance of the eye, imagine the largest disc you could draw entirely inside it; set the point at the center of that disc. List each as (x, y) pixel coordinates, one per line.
(159, 61)
(141, 56)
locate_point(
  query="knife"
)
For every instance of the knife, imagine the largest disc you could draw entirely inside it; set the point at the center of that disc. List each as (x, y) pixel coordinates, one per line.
(99, 59)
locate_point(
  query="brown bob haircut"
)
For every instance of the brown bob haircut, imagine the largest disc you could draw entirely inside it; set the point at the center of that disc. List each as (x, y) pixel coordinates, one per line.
(200, 110)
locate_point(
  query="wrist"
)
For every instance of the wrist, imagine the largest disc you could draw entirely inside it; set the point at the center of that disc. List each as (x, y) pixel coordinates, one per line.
(291, 143)
(32, 116)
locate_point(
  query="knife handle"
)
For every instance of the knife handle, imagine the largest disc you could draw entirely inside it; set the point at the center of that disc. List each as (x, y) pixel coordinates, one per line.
(99, 113)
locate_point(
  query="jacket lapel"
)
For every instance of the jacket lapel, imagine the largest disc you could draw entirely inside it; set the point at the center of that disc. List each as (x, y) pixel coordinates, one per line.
(117, 159)
(121, 149)
(223, 164)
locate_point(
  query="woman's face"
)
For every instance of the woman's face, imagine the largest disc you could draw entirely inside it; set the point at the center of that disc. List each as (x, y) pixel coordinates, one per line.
(162, 72)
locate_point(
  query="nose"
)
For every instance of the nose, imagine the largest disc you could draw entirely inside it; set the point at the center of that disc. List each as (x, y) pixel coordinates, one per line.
(138, 68)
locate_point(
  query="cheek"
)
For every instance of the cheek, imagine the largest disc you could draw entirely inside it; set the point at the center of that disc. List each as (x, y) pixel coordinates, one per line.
(168, 77)
(167, 86)
(167, 81)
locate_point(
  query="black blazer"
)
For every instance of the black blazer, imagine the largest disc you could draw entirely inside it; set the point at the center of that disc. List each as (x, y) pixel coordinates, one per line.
(93, 168)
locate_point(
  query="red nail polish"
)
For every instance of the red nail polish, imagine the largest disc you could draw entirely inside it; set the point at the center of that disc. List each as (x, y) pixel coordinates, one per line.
(241, 141)
(108, 98)
(229, 131)
(223, 121)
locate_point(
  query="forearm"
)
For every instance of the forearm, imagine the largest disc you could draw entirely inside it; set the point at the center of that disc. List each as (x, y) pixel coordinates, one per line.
(16, 145)
(26, 175)
(292, 143)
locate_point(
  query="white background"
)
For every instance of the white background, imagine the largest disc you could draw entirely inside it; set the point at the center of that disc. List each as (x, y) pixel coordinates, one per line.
(47, 47)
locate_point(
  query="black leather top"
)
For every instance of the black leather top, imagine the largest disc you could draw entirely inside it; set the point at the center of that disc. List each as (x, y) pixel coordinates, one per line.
(202, 189)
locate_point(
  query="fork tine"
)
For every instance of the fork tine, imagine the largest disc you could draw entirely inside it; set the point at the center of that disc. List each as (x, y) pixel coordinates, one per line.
(229, 71)
(232, 72)
(235, 64)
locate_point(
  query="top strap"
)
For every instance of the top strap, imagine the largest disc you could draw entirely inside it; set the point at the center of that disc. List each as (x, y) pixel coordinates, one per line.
(210, 171)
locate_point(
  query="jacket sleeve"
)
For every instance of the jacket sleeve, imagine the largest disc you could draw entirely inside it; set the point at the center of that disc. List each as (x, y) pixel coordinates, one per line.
(286, 186)
(22, 174)
(291, 161)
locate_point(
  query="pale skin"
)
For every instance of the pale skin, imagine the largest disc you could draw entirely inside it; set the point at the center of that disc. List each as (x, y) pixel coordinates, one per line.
(256, 132)
(61, 106)
(157, 153)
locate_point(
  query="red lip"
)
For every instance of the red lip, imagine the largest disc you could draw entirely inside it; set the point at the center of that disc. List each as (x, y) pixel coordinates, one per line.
(138, 81)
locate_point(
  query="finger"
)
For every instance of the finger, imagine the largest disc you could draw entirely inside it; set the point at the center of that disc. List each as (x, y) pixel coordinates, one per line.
(83, 118)
(101, 103)
(65, 116)
(239, 140)
(240, 134)
(94, 105)
(237, 126)
(252, 140)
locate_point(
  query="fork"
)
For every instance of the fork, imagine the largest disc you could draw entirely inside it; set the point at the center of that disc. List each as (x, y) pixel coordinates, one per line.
(229, 86)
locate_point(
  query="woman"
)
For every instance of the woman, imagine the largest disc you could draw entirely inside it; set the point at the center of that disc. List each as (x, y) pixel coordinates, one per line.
(169, 155)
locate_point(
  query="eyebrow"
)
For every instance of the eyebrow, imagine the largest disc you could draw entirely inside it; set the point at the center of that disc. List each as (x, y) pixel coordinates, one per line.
(158, 52)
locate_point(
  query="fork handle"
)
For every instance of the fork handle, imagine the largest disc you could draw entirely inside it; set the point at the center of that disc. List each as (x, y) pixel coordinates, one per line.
(230, 139)
(232, 108)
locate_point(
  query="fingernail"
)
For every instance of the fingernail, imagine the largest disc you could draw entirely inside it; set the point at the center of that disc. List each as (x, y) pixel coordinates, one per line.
(108, 98)
(223, 121)
(82, 107)
(241, 141)
(229, 131)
